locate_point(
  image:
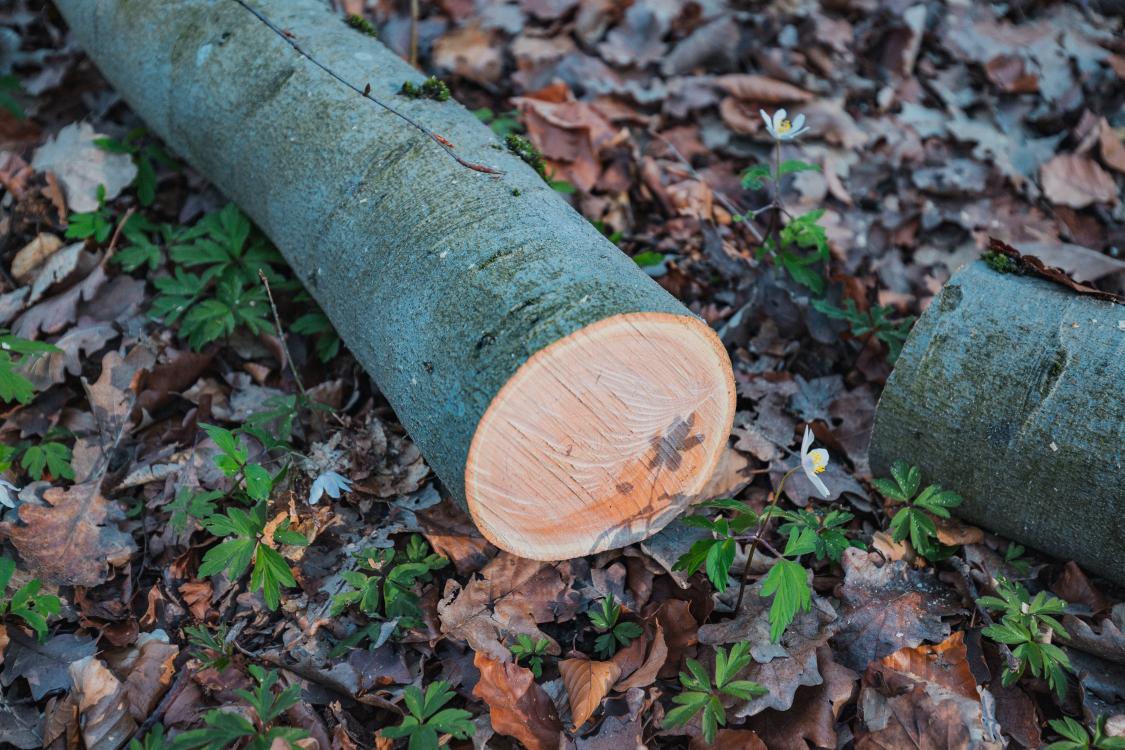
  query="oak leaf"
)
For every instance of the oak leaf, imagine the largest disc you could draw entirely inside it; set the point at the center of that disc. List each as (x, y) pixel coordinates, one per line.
(1076, 181)
(518, 707)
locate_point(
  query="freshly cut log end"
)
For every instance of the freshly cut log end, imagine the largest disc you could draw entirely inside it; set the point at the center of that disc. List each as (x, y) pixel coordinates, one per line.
(601, 438)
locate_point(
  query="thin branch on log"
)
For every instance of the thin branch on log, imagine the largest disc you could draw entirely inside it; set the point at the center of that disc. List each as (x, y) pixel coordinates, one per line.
(365, 92)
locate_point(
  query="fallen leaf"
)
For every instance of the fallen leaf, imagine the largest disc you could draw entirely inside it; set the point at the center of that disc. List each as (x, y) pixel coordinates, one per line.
(1113, 150)
(1076, 181)
(150, 670)
(888, 607)
(1106, 641)
(1074, 587)
(646, 674)
(469, 52)
(512, 595)
(781, 667)
(924, 698)
(73, 539)
(587, 683)
(451, 533)
(731, 739)
(19, 725)
(32, 255)
(811, 721)
(518, 707)
(102, 705)
(44, 665)
(53, 367)
(761, 89)
(1009, 73)
(81, 166)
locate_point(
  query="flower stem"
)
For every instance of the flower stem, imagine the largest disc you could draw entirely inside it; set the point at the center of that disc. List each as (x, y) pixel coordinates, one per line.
(762, 521)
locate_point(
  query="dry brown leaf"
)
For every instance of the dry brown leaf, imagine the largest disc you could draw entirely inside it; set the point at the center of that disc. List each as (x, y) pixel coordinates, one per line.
(150, 674)
(646, 674)
(945, 664)
(756, 88)
(471, 53)
(1113, 150)
(451, 533)
(955, 533)
(811, 722)
(1009, 73)
(511, 596)
(102, 705)
(731, 739)
(587, 683)
(518, 707)
(74, 538)
(32, 255)
(1076, 181)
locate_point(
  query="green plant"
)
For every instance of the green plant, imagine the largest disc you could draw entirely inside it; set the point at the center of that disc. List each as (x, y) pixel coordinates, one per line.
(821, 534)
(1075, 736)
(139, 249)
(227, 293)
(875, 323)
(913, 519)
(225, 730)
(391, 577)
(97, 223)
(523, 148)
(191, 504)
(427, 718)
(144, 151)
(153, 739)
(648, 258)
(1013, 555)
(27, 603)
(1027, 623)
(317, 325)
(13, 385)
(54, 457)
(431, 88)
(9, 87)
(501, 124)
(362, 25)
(716, 554)
(533, 651)
(700, 694)
(613, 632)
(213, 651)
(248, 545)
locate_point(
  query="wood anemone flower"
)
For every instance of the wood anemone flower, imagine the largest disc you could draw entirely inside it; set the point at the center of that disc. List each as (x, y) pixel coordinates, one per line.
(815, 461)
(781, 128)
(331, 483)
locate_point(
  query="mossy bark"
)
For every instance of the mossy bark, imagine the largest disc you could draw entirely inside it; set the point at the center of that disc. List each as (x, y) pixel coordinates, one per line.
(441, 280)
(1009, 391)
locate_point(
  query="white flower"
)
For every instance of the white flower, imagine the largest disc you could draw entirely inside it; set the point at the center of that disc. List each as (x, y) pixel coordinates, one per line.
(781, 128)
(8, 493)
(814, 462)
(329, 482)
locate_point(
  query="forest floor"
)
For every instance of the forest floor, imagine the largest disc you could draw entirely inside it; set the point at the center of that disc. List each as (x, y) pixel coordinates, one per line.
(164, 445)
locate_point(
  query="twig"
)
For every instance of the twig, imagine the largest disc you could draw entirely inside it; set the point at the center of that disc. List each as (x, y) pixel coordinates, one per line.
(766, 515)
(414, 33)
(365, 92)
(281, 335)
(117, 235)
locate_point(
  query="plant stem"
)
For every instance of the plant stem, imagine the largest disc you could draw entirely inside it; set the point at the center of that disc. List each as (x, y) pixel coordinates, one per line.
(766, 515)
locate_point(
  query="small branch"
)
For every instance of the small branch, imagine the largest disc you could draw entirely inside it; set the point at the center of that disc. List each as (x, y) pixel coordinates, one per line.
(281, 336)
(414, 33)
(365, 92)
(117, 235)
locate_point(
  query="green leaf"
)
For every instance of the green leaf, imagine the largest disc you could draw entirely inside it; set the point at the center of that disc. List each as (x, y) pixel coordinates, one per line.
(270, 573)
(259, 484)
(756, 176)
(648, 259)
(719, 559)
(232, 555)
(789, 166)
(787, 582)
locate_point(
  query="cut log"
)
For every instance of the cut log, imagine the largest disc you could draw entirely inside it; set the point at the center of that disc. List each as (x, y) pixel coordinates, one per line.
(569, 401)
(1009, 391)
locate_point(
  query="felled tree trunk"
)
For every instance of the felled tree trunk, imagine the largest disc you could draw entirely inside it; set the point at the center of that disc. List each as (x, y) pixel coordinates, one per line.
(567, 399)
(1010, 391)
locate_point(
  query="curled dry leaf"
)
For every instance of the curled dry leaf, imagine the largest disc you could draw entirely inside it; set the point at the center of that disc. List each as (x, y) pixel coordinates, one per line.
(102, 705)
(1076, 181)
(646, 674)
(518, 707)
(1113, 149)
(761, 89)
(811, 722)
(33, 255)
(587, 682)
(82, 166)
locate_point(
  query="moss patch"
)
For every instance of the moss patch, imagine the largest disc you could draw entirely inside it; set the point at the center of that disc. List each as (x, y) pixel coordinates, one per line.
(431, 88)
(522, 147)
(362, 25)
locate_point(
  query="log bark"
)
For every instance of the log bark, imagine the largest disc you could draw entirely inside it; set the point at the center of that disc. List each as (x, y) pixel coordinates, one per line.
(1009, 391)
(566, 398)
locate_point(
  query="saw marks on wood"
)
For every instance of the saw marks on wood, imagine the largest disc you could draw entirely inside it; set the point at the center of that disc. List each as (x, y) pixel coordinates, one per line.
(600, 439)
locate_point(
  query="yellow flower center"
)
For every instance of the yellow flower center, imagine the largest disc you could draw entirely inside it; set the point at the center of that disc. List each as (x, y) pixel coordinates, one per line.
(820, 463)
(785, 127)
